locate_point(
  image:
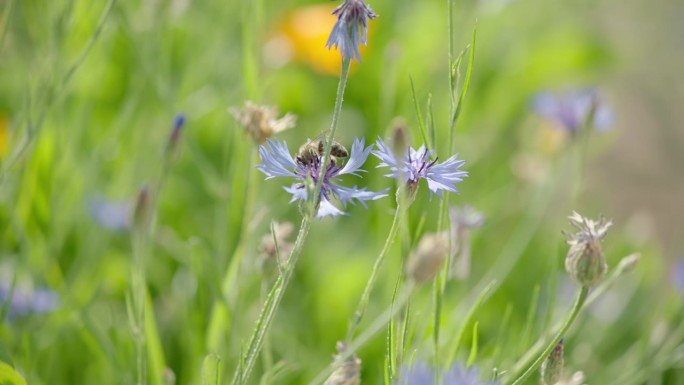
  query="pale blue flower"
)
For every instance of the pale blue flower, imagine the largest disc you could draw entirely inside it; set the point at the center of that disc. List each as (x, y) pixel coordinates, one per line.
(277, 162)
(570, 109)
(420, 374)
(416, 165)
(112, 215)
(351, 28)
(25, 300)
(678, 275)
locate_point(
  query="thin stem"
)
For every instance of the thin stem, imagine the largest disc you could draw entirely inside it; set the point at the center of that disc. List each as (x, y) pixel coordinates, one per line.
(271, 305)
(579, 302)
(369, 332)
(344, 75)
(363, 302)
(275, 296)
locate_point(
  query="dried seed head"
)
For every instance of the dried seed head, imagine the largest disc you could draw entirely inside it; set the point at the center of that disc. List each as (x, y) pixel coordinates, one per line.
(261, 122)
(552, 368)
(585, 261)
(426, 260)
(348, 370)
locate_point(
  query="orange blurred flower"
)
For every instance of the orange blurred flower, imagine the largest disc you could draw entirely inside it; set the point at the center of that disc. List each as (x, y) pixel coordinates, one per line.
(301, 36)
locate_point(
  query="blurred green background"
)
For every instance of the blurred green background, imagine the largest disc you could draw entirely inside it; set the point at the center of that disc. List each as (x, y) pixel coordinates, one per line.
(88, 93)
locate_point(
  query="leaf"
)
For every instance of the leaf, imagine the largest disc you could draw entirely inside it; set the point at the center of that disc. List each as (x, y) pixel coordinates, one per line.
(211, 369)
(8, 376)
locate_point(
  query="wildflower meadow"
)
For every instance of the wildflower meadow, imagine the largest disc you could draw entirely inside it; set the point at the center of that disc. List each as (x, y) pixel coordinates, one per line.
(479, 192)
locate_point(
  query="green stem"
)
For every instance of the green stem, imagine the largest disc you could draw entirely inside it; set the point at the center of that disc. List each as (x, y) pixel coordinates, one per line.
(271, 305)
(363, 302)
(275, 296)
(579, 302)
(344, 75)
(369, 332)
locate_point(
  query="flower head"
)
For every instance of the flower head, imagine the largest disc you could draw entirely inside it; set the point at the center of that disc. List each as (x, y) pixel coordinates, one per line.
(571, 109)
(349, 371)
(677, 275)
(25, 300)
(261, 122)
(585, 260)
(112, 215)
(277, 162)
(552, 368)
(416, 165)
(420, 374)
(351, 28)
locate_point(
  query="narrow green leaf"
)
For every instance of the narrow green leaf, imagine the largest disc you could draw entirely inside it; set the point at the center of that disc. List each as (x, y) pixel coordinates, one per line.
(466, 83)
(484, 295)
(155, 351)
(211, 369)
(419, 115)
(473, 346)
(8, 376)
(534, 303)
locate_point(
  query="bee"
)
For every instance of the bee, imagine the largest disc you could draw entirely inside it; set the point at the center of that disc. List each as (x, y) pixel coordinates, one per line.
(312, 150)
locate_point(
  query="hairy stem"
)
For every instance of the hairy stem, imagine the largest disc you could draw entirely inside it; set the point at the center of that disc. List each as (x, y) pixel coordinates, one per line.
(363, 302)
(579, 303)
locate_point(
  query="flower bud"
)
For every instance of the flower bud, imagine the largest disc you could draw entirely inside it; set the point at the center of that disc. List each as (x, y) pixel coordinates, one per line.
(629, 263)
(141, 213)
(585, 261)
(174, 139)
(552, 368)
(349, 370)
(424, 263)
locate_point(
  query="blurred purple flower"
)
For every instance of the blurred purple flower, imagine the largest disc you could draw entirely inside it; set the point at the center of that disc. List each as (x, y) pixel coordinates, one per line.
(351, 28)
(109, 214)
(570, 109)
(25, 301)
(277, 162)
(420, 374)
(416, 164)
(678, 275)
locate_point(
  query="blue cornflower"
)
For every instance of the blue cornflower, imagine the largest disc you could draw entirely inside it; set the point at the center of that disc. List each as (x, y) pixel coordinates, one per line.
(25, 300)
(570, 110)
(276, 161)
(416, 164)
(678, 275)
(351, 28)
(112, 215)
(420, 374)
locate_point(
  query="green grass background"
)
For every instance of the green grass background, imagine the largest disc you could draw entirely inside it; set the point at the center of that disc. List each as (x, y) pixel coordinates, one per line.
(88, 103)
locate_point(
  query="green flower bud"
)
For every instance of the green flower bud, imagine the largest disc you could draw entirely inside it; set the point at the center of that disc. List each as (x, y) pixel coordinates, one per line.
(585, 261)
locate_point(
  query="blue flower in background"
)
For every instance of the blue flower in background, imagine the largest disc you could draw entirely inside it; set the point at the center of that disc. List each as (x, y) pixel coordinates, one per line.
(351, 28)
(416, 164)
(110, 214)
(420, 374)
(678, 275)
(277, 162)
(25, 301)
(570, 109)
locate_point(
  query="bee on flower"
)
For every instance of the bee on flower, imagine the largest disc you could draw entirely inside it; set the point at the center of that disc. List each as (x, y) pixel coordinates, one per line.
(277, 162)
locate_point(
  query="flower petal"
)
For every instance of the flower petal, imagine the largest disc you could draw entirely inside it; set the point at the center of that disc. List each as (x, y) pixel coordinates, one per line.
(328, 209)
(347, 194)
(357, 157)
(276, 159)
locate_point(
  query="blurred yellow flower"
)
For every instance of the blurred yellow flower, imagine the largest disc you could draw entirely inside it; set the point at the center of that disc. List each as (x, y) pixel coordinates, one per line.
(301, 36)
